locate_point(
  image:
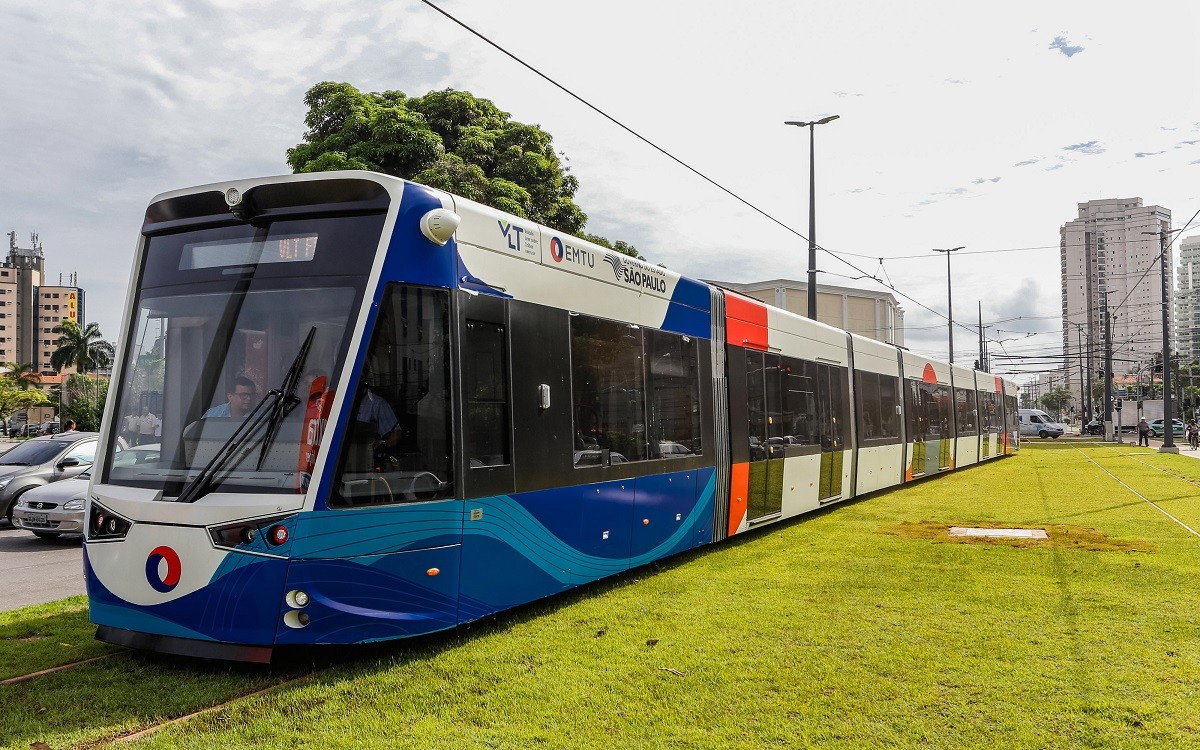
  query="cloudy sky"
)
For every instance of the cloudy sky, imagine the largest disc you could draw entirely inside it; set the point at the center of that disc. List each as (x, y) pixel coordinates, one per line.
(961, 124)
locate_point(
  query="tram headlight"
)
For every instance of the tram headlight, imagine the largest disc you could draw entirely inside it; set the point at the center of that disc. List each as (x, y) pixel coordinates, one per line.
(104, 524)
(297, 599)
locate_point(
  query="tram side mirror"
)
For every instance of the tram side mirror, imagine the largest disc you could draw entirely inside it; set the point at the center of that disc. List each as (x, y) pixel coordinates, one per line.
(543, 396)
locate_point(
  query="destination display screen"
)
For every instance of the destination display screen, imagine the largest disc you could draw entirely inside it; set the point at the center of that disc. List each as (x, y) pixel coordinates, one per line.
(215, 254)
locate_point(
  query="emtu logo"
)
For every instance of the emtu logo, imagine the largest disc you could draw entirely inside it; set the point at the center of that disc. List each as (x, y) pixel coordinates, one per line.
(556, 250)
(163, 569)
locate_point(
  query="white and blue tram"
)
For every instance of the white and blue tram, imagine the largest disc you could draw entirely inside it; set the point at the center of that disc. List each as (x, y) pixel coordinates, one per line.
(383, 411)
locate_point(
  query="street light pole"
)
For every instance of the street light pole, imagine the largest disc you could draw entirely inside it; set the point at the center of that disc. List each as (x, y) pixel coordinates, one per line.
(812, 208)
(949, 296)
(1168, 445)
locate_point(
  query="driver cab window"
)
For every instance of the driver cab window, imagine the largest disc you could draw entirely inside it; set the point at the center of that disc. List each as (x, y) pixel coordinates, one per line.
(397, 446)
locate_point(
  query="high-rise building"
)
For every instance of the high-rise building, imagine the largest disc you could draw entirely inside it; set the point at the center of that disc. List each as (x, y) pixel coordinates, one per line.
(30, 309)
(1109, 255)
(1187, 301)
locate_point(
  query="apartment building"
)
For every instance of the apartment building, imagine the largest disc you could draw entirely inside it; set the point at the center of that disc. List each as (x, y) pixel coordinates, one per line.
(30, 309)
(1110, 255)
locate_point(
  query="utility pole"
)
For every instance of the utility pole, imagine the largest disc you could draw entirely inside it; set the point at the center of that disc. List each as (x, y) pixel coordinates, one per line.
(1168, 445)
(1083, 417)
(1108, 401)
(982, 354)
(949, 298)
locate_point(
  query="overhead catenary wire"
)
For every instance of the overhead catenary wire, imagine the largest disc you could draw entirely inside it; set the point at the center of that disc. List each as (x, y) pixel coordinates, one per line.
(888, 284)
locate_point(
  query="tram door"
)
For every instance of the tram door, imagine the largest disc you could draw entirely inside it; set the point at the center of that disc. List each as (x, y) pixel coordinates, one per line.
(832, 416)
(923, 428)
(765, 492)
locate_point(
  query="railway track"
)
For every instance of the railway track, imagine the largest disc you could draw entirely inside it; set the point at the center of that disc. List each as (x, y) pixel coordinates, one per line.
(1145, 499)
(60, 668)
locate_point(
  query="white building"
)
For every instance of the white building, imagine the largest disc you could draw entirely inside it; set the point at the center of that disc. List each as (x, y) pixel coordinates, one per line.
(1187, 301)
(1111, 252)
(872, 314)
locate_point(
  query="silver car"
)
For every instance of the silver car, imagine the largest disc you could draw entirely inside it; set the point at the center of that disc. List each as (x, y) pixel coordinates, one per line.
(57, 508)
(41, 461)
(54, 509)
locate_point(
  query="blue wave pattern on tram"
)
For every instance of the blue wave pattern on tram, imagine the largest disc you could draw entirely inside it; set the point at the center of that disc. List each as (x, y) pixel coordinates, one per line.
(524, 546)
(224, 610)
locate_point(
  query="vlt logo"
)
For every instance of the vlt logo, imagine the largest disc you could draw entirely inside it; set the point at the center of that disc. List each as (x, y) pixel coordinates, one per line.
(512, 233)
(163, 569)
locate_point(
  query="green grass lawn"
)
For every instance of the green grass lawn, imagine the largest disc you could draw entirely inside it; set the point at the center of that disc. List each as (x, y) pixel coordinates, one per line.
(831, 632)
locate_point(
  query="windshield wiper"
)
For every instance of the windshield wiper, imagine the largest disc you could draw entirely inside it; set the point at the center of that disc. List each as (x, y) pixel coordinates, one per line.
(288, 399)
(274, 407)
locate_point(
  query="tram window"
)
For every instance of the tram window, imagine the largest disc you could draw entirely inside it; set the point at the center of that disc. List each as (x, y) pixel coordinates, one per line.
(800, 401)
(673, 394)
(834, 406)
(878, 399)
(756, 405)
(928, 407)
(965, 412)
(397, 446)
(608, 389)
(989, 414)
(486, 397)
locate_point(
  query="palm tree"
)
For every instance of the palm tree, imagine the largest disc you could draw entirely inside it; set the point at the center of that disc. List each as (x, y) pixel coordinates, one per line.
(81, 346)
(24, 375)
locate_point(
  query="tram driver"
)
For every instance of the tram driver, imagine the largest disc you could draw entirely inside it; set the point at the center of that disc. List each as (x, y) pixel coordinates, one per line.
(239, 400)
(375, 434)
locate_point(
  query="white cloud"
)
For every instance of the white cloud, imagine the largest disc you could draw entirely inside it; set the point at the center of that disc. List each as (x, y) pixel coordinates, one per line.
(108, 104)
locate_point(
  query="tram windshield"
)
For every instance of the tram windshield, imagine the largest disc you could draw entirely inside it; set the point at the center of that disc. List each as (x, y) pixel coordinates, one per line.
(232, 357)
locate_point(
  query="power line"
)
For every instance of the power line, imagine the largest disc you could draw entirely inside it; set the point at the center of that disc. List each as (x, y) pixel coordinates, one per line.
(836, 255)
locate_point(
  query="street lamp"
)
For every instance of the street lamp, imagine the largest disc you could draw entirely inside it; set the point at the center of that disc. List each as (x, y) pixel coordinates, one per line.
(1168, 445)
(812, 209)
(949, 297)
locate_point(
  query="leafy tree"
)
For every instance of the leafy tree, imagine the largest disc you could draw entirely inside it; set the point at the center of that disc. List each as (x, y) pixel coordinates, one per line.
(14, 399)
(1056, 400)
(82, 347)
(450, 140)
(83, 401)
(24, 375)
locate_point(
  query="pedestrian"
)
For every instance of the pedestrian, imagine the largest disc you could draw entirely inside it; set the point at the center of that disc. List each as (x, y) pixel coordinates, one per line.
(146, 425)
(68, 426)
(1143, 432)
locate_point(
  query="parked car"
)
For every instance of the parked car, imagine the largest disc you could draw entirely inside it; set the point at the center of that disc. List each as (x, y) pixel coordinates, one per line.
(56, 509)
(1157, 427)
(41, 461)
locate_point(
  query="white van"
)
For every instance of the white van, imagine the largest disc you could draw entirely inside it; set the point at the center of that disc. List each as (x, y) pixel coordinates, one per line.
(1038, 422)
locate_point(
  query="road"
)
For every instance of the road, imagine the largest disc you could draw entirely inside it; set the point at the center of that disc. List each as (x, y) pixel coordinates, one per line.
(35, 570)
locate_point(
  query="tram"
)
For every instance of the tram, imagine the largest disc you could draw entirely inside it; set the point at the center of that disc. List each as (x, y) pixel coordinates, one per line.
(387, 411)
